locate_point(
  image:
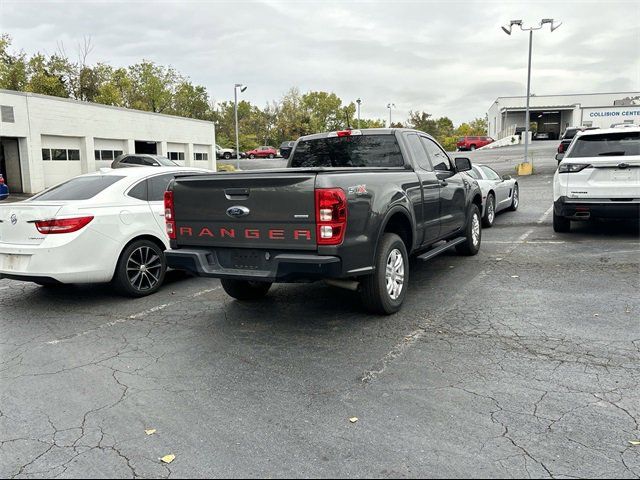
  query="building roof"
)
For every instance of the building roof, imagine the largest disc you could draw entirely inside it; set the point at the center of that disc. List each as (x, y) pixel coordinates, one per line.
(93, 104)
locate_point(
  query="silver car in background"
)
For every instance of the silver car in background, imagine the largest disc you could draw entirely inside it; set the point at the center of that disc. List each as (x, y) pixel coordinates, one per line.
(498, 193)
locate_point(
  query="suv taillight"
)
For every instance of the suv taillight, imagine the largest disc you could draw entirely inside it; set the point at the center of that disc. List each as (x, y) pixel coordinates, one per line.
(331, 215)
(169, 214)
(62, 225)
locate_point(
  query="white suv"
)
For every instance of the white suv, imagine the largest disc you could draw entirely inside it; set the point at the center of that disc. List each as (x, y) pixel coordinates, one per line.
(599, 177)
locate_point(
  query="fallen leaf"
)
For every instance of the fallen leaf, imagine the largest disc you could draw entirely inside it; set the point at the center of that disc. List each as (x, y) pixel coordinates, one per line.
(634, 442)
(353, 419)
(515, 276)
(168, 458)
(151, 431)
(498, 259)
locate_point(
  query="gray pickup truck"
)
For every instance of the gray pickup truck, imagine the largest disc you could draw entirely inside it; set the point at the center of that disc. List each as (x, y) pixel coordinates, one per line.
(349, 209)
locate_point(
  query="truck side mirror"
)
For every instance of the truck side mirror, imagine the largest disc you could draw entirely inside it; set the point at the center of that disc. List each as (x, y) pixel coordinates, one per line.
(462, 164)
(285, 154)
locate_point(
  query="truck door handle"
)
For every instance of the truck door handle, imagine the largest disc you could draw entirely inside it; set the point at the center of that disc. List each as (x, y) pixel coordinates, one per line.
(236, 193)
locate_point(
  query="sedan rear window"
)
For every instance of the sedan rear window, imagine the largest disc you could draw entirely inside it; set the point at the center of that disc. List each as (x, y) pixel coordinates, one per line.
(79, 188)
(616, 144)
(351, 151)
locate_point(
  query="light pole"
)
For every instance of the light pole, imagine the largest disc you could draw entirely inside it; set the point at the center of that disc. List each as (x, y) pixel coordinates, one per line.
(358, 101)
(235, 108)
(507, 30)
(390, 106)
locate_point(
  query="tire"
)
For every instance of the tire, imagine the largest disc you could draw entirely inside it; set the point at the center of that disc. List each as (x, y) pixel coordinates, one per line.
(384, 291)
(227, 156)
(244, 289)
(271, 155)
(515, 198)
(473, 233)
(489, 212)
(472, 148)
(141, 269)
(252, 156)
(561, 224)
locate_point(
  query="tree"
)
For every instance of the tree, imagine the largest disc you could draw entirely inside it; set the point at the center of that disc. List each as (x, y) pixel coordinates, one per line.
(151, 86)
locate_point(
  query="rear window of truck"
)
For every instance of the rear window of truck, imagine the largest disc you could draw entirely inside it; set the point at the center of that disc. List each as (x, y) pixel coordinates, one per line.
(352, 151)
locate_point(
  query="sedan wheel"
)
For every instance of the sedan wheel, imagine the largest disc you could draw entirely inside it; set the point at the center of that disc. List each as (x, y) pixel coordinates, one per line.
(515, 200)
(490, 211)
(141, 269)
(227, 156)
(252, 155)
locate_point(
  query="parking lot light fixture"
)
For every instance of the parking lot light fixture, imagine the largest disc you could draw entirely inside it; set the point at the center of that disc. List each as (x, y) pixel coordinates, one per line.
(235, 103)
(507, 30)
(390, 106)
(359, 101)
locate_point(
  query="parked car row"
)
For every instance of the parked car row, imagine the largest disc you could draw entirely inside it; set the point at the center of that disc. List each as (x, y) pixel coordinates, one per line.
(127, 225)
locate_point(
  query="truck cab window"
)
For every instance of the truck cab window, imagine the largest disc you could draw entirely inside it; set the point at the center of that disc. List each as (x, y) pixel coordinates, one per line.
(439, 159)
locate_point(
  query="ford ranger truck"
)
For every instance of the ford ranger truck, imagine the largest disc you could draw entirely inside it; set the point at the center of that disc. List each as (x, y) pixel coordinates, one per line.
(350, 208)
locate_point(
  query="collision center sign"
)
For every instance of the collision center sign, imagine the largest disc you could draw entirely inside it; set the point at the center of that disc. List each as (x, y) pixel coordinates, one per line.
(616, 113)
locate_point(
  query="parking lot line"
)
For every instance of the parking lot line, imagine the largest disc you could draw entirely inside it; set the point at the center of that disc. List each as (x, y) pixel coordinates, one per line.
(143, 313)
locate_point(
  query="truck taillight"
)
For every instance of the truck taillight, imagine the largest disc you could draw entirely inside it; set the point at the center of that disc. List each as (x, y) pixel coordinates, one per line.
(169, 214)
(331, 215)
(62, 225)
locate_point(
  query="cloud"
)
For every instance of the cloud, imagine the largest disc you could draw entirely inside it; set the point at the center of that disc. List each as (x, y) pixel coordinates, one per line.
(448, 58)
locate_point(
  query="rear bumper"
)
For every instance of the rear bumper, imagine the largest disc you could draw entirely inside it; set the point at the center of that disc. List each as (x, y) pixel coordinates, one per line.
(276, 267)
(584, 209)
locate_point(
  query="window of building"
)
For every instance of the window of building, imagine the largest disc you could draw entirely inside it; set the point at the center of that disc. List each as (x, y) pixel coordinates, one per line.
(6, 114)
(60, 154)
(176, 155)
(201, 156)
(107, 154)
(73, 154)
(46, 154)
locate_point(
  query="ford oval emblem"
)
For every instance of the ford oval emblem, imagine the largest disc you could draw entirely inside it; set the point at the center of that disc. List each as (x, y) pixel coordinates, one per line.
(237, 211)
(14, 219)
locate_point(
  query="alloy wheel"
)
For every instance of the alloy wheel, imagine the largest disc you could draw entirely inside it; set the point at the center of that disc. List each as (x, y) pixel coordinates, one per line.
(144, 267)
(394, 275)
(475, 230)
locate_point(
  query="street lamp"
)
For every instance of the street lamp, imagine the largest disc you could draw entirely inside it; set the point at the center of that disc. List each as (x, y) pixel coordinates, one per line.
(390, 106)
(235, 103)
(358, 101)
(507, 30)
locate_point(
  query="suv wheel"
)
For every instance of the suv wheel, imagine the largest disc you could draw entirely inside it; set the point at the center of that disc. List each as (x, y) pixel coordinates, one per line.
(489, 211)
(383, 292)
(473, 233)
(472, 148)
(227, 155)
(140, 270)
(245, 289)
(561, 224)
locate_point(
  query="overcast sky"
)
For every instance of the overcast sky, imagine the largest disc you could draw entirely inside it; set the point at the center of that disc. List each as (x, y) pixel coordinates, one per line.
(445, 57)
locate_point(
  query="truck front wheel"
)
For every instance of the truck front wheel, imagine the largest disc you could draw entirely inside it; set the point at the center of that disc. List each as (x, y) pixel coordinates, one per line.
(244, 289)
(383, 292)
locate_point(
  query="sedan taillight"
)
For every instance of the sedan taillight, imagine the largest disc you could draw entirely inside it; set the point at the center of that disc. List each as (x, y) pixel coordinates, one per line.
(62, 225)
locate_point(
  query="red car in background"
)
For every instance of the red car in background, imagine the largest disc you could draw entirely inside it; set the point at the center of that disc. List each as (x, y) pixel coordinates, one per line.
(471, 143)
(262, 152)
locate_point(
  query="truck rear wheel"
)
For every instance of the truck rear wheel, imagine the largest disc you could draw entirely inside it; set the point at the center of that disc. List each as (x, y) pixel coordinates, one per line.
(383, 292)
(245, 289)
(472, 233)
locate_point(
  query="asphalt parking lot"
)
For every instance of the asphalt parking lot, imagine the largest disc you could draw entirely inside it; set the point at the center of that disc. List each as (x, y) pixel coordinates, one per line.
(523, 361)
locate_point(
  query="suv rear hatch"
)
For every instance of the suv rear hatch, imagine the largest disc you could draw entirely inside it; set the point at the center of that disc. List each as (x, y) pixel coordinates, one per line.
(613, 166)
(271, 209)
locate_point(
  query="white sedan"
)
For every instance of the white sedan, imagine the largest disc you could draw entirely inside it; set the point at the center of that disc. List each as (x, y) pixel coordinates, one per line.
(106, 226)
(498, 193)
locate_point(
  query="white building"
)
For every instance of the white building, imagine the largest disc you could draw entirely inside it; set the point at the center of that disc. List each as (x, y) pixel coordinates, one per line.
(45, 140)
(554, 113)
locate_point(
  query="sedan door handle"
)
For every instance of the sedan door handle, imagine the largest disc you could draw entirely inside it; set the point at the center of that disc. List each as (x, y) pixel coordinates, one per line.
(443, 183)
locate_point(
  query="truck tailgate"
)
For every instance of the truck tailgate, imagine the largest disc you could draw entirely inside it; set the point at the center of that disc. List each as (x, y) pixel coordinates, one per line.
(273, 210)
